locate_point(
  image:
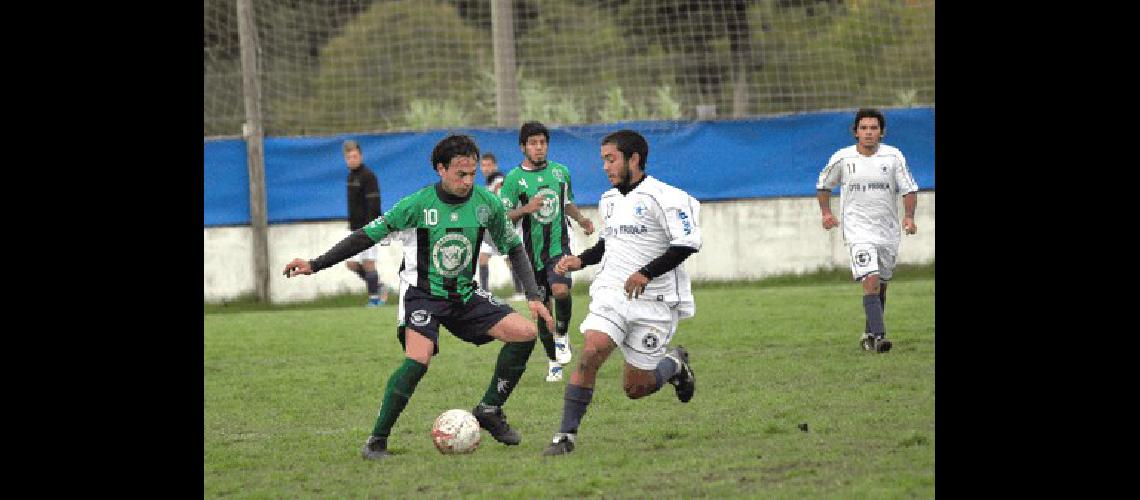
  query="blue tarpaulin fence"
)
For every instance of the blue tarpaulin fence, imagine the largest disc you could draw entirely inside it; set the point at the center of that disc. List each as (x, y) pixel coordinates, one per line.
(761, 158)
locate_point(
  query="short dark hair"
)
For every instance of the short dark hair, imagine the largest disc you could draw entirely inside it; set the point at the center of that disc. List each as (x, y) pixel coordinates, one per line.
(490, 156)
(869, 113)
(451, 147)
(532, 128)
(350, 145)
(629, 142)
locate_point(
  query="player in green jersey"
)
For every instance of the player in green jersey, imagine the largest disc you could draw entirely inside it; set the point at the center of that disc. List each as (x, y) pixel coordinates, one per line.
(449, 220)
(539, 193)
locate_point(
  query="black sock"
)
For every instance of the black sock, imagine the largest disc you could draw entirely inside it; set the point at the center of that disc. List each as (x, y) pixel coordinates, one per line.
(373, 281)
(484, 274)
(518, 283)
(562, 309)
(874, 312)
(508, 370)
(665, 370)
(547, 339)
(574, 403)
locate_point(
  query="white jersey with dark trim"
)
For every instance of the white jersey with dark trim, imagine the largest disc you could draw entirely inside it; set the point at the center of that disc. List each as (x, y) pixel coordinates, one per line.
(869, 192)
(641, 226)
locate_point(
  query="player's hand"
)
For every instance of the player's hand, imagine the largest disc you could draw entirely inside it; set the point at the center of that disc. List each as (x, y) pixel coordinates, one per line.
(567, 263)
(534, 204)
(587, 226)
(829, 221)
(538, 310)
(297, 266)
(635, 285)
(909, 226)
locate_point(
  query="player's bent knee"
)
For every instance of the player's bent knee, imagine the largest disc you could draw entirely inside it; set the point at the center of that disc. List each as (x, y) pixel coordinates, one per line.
(514, 328)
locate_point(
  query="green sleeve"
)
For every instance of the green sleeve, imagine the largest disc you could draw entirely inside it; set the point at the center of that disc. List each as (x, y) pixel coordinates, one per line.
(502, 233)
(401, 216)
(509, 192)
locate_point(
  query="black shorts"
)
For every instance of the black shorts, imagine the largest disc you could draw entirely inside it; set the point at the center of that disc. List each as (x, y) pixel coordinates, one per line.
(547, 277)
(470, 322)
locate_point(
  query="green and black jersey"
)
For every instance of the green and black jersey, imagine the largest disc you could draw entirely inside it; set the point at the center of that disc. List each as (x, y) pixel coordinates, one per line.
(439, 258)
(545, 233)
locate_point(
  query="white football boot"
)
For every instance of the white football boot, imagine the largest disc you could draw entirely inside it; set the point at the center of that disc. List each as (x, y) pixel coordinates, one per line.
(553, 371)
(562, 352)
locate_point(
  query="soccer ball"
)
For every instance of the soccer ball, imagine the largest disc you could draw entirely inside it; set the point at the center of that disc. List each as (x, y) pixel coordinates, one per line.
(456, 431)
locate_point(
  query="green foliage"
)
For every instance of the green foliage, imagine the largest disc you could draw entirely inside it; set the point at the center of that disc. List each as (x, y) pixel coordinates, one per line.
(542, 103)
(355, 65)
(878, 50)
(424, 114)
(391, 72)
(289, 397)
(616, 108)
(667, 106)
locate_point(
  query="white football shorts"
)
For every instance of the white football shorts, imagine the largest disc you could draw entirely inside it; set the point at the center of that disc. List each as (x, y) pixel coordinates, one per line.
(641, 328)
(869, 258)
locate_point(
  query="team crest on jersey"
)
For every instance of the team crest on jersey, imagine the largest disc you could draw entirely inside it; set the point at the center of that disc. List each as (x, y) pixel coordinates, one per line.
(862, 258)
(451, 254)
(650, 340)
(558, 175)
(454, 217)
(884, 166)
(421, 318)
(482, 214)
(549, 208)
(609, 210)
(522, 182)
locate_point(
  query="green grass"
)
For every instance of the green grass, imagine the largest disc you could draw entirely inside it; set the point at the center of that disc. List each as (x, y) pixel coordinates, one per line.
(292, 393)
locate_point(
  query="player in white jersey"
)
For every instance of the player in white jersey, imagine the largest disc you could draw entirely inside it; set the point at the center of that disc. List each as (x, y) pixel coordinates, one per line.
(871, 175)
(641, 290)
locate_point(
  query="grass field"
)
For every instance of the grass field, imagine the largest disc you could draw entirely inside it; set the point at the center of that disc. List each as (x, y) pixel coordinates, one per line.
(291, 393)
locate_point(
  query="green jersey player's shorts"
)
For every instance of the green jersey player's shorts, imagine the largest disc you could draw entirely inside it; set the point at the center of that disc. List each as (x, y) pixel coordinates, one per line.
(547, 277)
(469, 321)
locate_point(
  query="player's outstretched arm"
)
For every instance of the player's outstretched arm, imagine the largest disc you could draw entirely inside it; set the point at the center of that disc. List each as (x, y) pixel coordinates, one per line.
(588, 258)
(520, 266)
(673, 257)
(568, 263)
(297, 267)
(586, 223)
(351, 245)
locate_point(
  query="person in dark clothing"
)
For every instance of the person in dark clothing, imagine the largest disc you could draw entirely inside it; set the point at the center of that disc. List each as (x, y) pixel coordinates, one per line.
(363, 206)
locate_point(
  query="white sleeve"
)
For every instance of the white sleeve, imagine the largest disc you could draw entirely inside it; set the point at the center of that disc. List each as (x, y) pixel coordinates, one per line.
(903, 179)
(832, 173)
(682, 219)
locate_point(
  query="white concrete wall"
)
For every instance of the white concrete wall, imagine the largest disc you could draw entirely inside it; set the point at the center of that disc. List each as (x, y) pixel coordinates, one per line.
(743, 239)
